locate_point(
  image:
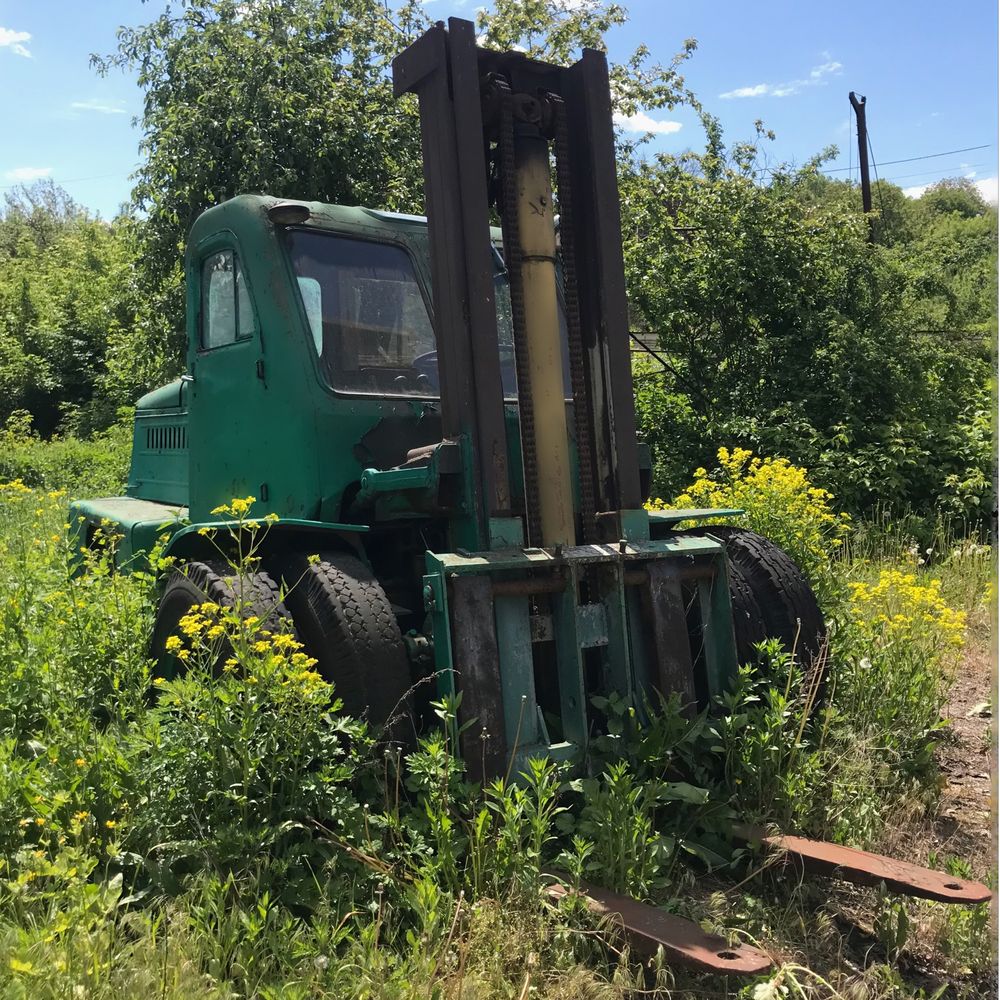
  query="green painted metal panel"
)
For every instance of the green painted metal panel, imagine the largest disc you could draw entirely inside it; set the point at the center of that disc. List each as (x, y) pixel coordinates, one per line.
(717, 622)
(591, 625)
(635, 525)
(506, 533)
(160, 460)
(540, 559)
(517, 677)
(671, 517)
(617, 653)
(435, 593)
(297, 525)
(569, 621)
(139, 523)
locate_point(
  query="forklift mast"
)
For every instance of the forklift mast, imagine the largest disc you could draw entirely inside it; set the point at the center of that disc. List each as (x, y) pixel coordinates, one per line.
(535, 616)
(487, 121)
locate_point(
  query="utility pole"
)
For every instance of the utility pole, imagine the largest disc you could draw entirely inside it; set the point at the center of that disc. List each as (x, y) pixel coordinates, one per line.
(866, 184)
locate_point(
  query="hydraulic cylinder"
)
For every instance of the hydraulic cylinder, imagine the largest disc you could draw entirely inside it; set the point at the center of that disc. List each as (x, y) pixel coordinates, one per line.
(536, 225)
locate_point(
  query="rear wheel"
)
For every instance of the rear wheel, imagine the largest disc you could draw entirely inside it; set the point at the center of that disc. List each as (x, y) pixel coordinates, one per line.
(347, 623)
(197, 582)
(780, 604)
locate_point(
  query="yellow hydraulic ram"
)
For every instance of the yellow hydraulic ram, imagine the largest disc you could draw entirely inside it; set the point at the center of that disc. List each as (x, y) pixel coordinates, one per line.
(536, 225)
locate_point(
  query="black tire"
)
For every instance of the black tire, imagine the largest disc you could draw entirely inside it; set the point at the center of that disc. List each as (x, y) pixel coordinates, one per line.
(748, 619)
(347, 623)
(787, 607)
(196, 582)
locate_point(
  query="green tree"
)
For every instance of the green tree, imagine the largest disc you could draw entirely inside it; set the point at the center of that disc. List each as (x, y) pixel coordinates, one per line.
(61, 279)
(782, 329)
(294, 98)
(956, 196)
(291, 97)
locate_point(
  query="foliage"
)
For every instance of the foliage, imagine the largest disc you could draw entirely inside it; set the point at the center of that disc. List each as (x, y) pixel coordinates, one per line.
(294, 99)
(780, 503)
(779, 328)
(773, 753)
(898, 648)
(65, 281)
(237, 833)
(96, 466)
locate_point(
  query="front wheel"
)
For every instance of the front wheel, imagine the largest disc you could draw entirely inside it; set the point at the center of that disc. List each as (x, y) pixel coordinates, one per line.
(196, 582)
(347, 623)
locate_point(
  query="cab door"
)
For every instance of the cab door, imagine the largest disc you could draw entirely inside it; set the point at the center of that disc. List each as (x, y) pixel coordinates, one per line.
(229, 397)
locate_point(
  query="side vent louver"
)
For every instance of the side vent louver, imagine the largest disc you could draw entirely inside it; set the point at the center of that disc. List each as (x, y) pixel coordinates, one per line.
(172, 437)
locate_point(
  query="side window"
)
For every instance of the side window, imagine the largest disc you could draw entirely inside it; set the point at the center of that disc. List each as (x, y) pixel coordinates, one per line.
(226, 312)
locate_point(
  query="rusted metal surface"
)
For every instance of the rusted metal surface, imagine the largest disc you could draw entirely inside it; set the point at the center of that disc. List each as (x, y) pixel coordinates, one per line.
(689, 574)
(582, 416)
(683, 941)
(529, 586)
(863, 868)
(477, 661)
(441, 68)
(666, 611)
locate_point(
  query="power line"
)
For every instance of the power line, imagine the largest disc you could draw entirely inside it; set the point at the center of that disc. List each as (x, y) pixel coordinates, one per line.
(57, 182)
(878, 186)
(926, 173)
(910, 159)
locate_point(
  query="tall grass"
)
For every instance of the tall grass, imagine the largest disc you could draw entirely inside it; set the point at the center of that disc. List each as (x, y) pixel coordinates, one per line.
(85, 467)
(237, 835)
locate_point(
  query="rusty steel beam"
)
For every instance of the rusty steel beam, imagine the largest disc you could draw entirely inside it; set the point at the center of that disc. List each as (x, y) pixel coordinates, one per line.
(477, 662)
(529, 586)
(863, 868)
(683, 941)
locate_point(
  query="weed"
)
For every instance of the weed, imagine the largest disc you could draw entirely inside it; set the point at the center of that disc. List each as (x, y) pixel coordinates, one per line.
(239, 835)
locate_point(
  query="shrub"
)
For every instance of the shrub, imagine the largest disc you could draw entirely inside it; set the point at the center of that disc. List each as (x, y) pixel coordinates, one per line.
(95, 466)
(780, 503)
(897, 650)
(248, 754)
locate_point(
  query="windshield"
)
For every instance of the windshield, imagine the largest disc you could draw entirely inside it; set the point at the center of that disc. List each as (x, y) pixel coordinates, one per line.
(369, 323)
(367, 317)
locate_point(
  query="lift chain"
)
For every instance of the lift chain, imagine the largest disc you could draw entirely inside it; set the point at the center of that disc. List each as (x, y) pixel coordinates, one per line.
(513, 257)
(571, 294)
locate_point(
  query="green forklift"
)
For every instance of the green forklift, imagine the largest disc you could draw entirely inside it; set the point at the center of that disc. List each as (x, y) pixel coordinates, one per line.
(441, 410)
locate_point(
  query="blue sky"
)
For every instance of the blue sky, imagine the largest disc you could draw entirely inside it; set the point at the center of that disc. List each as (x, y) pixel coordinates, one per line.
(929, 72)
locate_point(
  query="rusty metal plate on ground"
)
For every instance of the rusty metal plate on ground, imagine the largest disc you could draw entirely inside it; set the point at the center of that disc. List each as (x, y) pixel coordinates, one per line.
(683, 941)
(863, 868)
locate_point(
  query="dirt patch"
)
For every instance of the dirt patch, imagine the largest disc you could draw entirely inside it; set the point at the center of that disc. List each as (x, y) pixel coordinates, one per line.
(965, 823)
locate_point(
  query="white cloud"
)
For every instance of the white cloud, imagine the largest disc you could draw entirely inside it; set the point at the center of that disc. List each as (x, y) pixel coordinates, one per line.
(758, 90)
(641, 122)
(818, 72)
(987, 187)
(817, 75)
(20, 174)
(98, 106)
(13, 40)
